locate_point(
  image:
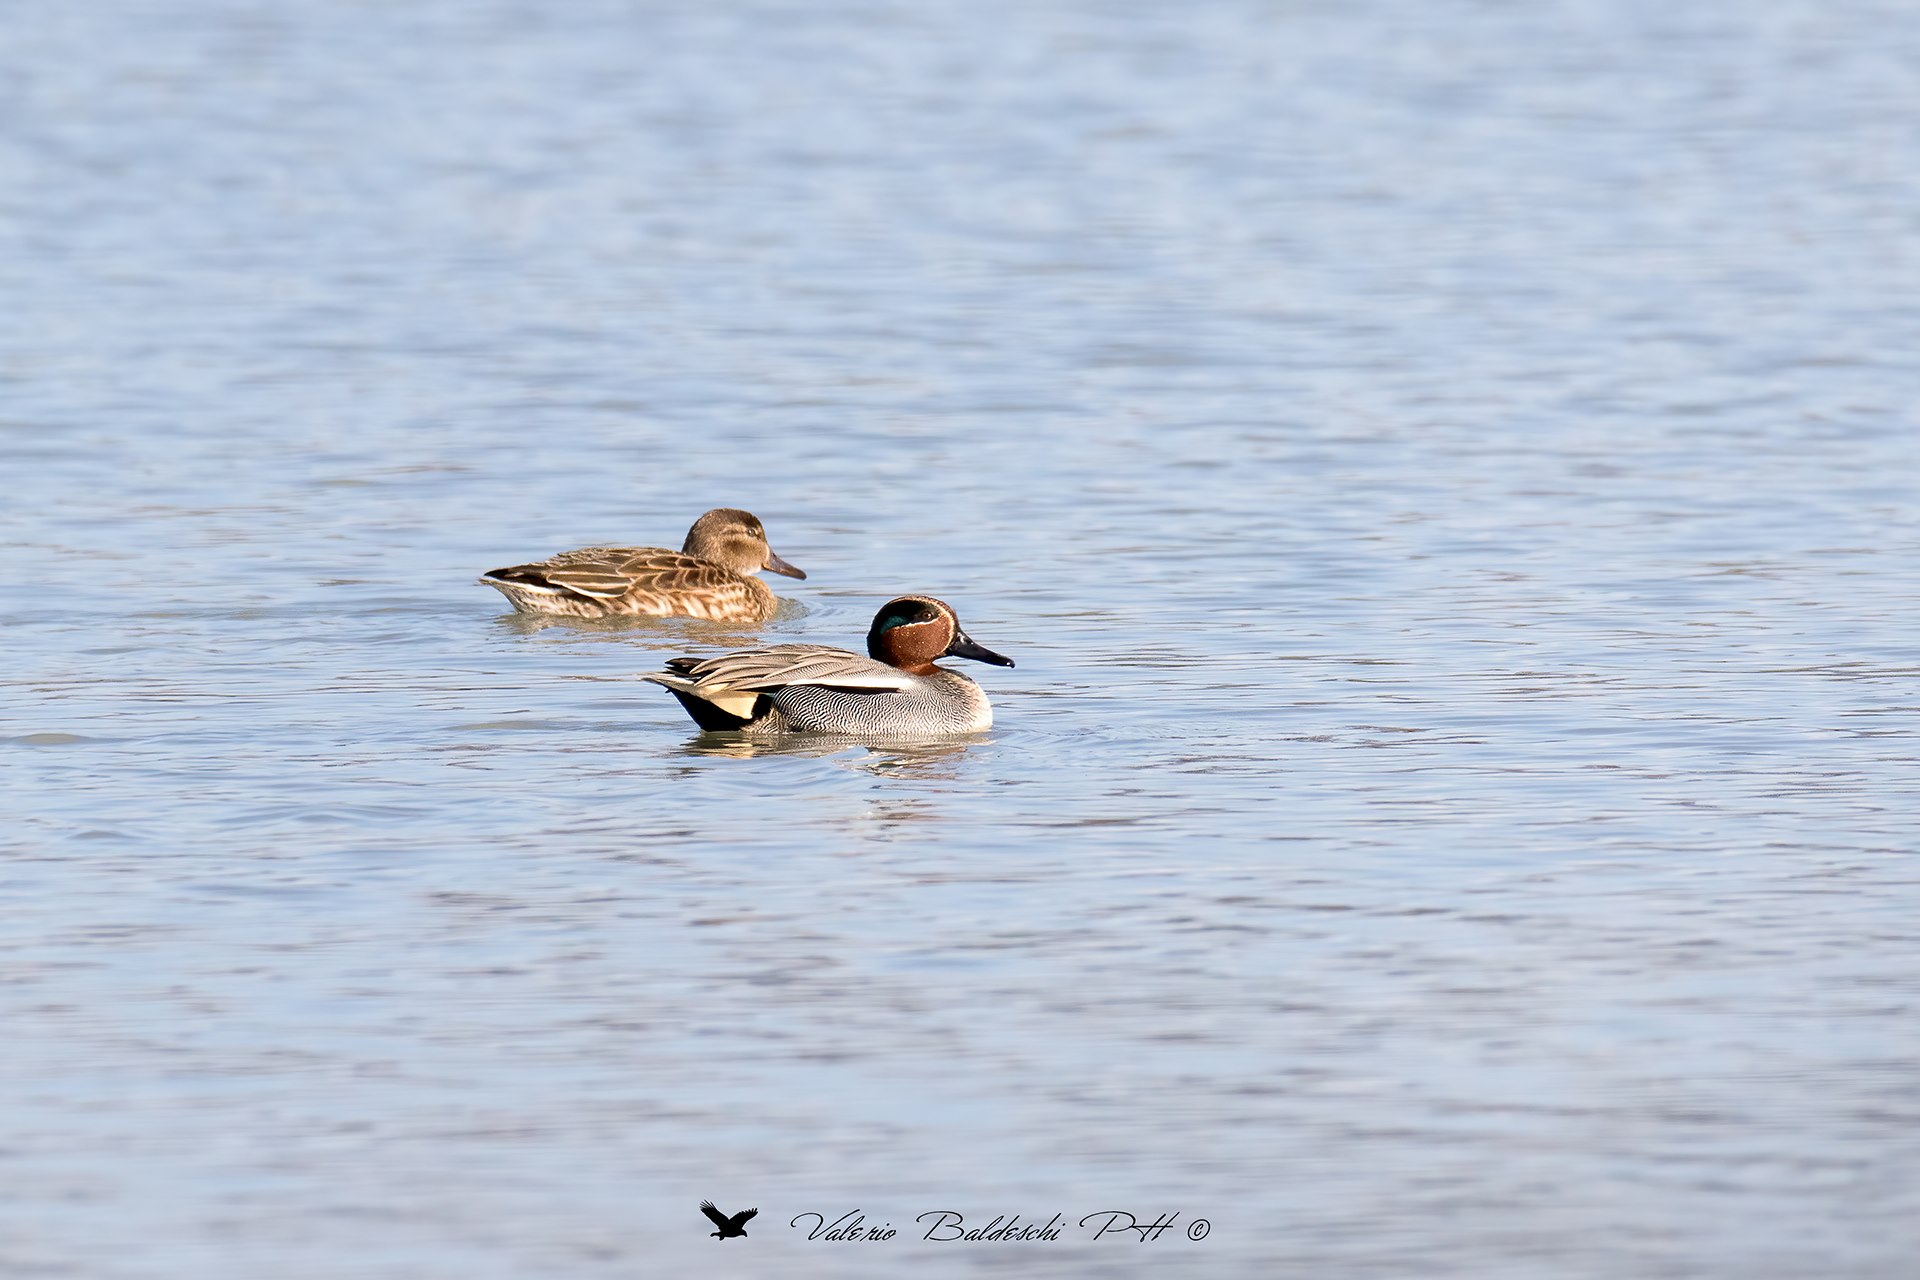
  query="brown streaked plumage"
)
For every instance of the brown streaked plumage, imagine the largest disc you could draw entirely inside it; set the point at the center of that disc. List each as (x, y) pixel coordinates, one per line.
(711, 576)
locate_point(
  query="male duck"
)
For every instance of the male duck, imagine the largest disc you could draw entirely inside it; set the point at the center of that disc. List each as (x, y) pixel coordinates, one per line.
(809, 687)
(709, 577)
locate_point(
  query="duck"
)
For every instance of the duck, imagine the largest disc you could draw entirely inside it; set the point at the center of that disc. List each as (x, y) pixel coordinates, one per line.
(710, 577)
(894, 689)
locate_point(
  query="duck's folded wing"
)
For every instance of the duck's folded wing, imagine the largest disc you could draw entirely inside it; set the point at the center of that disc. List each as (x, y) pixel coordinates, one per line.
(609, 572)
(786, 664)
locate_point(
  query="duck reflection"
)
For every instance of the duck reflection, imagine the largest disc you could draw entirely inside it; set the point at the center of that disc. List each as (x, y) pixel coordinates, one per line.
(663, 634)
(936, 758)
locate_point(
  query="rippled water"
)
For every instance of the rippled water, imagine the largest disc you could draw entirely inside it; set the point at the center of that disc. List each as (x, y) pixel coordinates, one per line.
(1447, 474)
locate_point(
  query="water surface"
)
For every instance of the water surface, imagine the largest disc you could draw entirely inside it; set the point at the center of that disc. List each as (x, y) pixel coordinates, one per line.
(1446, 474)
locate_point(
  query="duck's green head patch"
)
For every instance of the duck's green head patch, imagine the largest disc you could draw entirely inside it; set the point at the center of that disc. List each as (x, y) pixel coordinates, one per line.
(902, 613)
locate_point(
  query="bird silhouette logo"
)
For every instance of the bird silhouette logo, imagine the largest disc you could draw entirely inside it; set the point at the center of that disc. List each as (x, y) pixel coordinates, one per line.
(729, 1227)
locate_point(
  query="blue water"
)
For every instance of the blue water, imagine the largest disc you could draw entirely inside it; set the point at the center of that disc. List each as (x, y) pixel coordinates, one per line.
(1447, 474)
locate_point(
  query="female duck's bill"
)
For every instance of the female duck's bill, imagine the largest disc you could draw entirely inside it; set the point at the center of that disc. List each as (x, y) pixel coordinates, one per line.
(711, 576)
(895, 689)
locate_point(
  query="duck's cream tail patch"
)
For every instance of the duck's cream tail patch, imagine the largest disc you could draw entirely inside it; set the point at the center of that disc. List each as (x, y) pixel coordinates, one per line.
(735, 702)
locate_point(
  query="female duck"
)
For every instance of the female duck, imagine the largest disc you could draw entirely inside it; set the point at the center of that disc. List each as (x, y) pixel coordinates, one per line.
(711, 576)
(808, 687)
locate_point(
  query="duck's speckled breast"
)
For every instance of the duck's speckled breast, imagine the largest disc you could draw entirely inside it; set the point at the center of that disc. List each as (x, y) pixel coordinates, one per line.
(734, 598)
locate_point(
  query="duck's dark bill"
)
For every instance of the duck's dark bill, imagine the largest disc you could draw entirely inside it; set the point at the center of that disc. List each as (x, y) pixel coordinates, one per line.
(964, 647)
(776, 565)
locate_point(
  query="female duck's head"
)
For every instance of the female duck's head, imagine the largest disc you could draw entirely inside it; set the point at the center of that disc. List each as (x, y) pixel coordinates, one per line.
(910, 632)
(736, 540)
